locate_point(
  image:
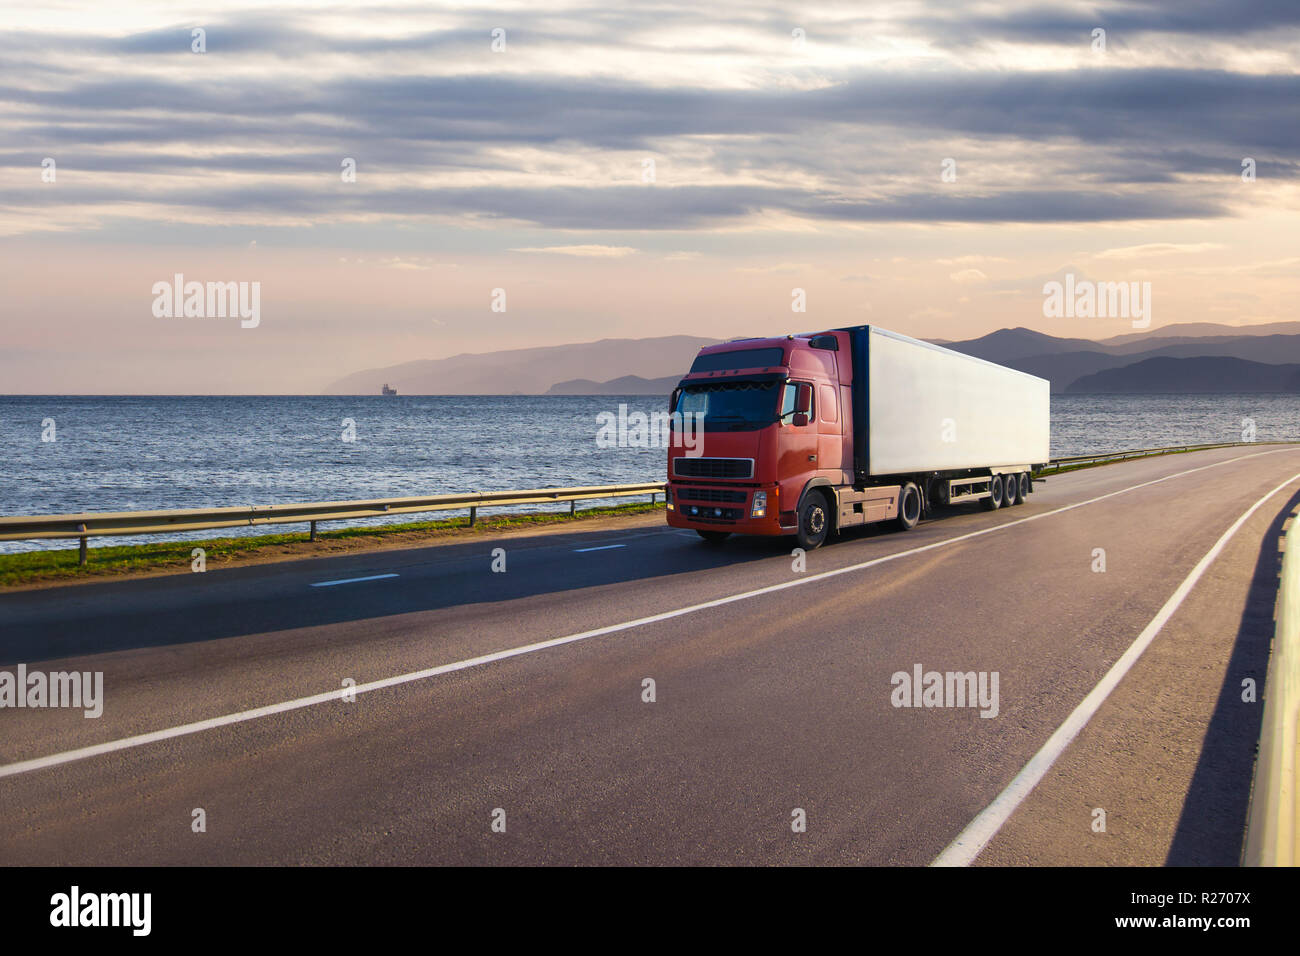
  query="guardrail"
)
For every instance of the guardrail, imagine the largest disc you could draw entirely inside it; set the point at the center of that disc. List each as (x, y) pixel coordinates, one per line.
(108, 524)
(1273, 828)
(1056, 463)
(118, 523)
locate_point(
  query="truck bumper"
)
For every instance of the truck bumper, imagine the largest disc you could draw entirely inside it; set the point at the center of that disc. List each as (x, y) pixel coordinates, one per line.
(689, 511)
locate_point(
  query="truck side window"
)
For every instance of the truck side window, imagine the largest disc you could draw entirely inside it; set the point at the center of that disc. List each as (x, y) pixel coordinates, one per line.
(788, 395)
(826, 398)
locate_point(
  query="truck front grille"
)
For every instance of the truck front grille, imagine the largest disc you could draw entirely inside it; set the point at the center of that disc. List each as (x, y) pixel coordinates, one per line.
(710, 494)
(684, 467)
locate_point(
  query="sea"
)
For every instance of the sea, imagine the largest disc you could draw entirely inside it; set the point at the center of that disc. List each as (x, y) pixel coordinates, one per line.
(71, 454)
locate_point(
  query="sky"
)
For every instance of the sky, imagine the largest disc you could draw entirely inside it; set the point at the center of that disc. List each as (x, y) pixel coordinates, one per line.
(415, 180)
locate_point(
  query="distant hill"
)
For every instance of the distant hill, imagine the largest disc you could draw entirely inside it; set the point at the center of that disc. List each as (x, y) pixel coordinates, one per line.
(626, 385)
(1064, 368)
(1201, 374)
(1200, 329)
(1006, 344)
(653, 366)
(529, 371)
(1065, 361)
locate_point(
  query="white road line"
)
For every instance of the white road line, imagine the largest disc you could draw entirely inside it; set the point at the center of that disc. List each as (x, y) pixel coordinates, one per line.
(373, 577)
(127, 743)
(972, 840)
(641, 534)
(603, 547)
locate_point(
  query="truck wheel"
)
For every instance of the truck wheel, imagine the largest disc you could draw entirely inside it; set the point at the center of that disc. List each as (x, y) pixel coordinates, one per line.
(1026, 485)
(909, 507)
(1011, 490)
(714, 538)
(994, 501)
(814, 521)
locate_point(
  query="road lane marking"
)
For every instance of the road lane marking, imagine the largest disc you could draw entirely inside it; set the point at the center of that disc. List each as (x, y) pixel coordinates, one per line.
(603, 547)
(641, 535)
(140, 740)
(972, 840)
(452, 561)
(373, 577)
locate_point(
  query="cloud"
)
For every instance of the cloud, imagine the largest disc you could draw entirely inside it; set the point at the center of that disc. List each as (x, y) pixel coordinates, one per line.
(968, 275)
(781, 268)
(1157, 249)
(595, 251)
(552, 133)
(637, 207)
(931, 312)
(1051, 24)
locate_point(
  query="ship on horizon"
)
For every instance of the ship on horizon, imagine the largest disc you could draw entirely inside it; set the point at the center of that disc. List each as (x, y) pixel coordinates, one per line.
(388, 390)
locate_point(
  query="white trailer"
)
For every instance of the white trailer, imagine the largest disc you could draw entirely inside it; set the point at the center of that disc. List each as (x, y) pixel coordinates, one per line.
(933, 409)
(934, 426)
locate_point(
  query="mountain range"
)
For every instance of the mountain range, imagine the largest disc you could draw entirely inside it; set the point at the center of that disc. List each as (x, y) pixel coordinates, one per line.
(530, 371)
(1192, 357)
(1120, 364)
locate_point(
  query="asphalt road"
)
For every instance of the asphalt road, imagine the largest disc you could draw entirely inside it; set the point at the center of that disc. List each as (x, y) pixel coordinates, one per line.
(765, 703)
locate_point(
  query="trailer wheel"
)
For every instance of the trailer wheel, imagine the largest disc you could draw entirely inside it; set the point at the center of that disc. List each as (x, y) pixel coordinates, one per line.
(713, 538)
(1026, 485)
(909, 507)
(994, 501)
(814, 521)
(1011, 490)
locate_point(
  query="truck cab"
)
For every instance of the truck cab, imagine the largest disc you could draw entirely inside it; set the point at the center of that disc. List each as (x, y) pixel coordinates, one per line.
(777, 420)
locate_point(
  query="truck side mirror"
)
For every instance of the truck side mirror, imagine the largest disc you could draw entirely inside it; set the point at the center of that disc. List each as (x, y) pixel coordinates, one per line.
(672, 402)
(803, 398)
(802, 403)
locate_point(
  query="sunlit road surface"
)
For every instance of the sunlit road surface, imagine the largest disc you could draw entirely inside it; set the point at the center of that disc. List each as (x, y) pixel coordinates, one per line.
(418, 707)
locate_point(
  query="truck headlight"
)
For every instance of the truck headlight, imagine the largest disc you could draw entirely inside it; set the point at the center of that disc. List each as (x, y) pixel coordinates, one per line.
(759, 508)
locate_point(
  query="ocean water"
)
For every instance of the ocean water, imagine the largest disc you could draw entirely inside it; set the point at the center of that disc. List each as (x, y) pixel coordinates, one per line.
(125, 453)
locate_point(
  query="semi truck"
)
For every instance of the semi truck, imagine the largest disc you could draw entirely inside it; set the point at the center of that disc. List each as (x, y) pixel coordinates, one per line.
(808, 435)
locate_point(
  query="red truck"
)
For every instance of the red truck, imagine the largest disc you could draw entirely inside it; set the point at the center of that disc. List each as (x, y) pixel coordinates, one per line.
(810, 434)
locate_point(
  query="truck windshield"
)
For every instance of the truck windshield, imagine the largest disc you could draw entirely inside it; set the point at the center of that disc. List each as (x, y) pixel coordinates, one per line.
(734, 406)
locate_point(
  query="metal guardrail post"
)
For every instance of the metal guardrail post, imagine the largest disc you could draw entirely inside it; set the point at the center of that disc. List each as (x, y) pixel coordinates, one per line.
(473, 512)
(313, 531)
(1273, 830)
(81, 551)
